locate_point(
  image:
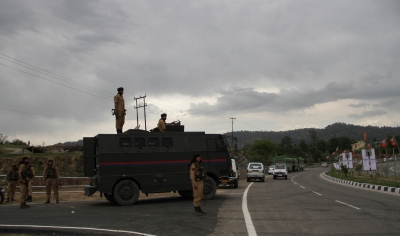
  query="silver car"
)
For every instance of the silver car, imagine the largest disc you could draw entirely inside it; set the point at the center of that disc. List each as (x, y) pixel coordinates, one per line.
(255, 170)
(271, 169)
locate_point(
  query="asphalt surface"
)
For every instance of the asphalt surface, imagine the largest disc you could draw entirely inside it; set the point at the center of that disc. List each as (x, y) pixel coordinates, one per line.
(308, 205)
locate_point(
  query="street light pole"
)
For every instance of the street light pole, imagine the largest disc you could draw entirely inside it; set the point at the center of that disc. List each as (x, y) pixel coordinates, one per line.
(232, 118)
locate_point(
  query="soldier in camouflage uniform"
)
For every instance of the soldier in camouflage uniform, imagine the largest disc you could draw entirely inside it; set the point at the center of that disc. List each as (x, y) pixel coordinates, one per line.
(51, 179)
(197, 176)
(119, 110)
(12, 179)
(31, 177)
(23, 173)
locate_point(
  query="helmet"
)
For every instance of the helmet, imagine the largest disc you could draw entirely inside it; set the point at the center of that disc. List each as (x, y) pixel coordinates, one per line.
(120, 88)
(163, 114)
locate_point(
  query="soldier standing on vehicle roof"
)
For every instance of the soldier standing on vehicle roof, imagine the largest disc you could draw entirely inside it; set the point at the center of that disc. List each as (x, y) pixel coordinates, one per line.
(51, 179)
(12, 179)
(23, 174)
(31, 177)
(197, 176)
(119, 110)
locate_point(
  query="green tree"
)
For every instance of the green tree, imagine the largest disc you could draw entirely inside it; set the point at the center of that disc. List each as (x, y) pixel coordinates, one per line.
(263, 151)
(287, 145)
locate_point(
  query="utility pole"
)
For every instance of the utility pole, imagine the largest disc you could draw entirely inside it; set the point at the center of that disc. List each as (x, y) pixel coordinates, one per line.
(232, 118)
(140, 106)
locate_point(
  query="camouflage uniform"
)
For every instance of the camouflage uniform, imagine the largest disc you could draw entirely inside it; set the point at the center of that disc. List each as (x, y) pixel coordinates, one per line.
(12, 179)
(119, 112)
(29, 198)
(51, 179)
(25, 173)
(197, 176)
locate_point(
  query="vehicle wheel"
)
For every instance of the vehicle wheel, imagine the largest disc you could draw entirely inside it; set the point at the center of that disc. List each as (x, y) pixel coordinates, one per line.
(263, 179)
(1, 198)
(210, 188)
(248, 179)
(285, 177)
(274, 177)
(236, 184)
(126, 192)
(110, 198)
(186, 193)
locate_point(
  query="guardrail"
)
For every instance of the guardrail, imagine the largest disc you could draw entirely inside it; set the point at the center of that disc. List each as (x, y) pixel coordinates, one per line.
(63, 186)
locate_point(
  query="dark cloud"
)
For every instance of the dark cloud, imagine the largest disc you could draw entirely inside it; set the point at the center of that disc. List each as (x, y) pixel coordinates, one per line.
(368, 114)
(308, 53)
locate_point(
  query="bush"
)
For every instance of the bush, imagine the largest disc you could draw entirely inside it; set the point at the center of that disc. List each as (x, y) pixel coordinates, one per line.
(345, 170)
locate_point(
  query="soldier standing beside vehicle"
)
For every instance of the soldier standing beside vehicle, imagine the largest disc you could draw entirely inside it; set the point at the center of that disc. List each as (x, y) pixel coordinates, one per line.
(23, 174)
(12, 179)
(51, 179)
(119, 110)
(31, 177)
(197, 176)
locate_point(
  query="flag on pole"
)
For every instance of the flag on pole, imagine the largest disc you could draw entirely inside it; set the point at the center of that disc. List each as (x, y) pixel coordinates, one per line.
(383, 143)
(335, 150)
(368, 146)
(392, 142)
(365, 136)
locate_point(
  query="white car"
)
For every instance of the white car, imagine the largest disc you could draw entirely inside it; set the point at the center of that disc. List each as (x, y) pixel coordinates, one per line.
(324, 164)
(280, 171)
(235, 175)
(271, 169)
(255, 170)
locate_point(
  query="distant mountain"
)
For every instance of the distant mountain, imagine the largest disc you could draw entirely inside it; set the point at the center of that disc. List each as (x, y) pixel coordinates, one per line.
(335, 130)
(77, 143)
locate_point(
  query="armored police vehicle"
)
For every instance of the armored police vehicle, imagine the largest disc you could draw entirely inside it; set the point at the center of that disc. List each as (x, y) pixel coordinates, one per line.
(121, 165)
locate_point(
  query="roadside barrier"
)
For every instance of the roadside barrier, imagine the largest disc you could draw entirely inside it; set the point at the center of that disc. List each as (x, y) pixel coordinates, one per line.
(364, 185)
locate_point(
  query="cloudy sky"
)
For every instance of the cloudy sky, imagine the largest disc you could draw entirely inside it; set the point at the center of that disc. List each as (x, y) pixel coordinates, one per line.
(274, 65)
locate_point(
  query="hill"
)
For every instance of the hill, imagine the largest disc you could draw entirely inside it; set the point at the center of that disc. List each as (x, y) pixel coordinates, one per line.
(354, 132)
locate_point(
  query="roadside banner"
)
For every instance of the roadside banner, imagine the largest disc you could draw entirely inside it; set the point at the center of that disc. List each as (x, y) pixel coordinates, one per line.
(347, 159)
(369, 159)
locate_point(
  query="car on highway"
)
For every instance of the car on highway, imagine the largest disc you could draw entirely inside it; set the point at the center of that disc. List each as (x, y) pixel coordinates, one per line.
(255, 170)
(280, 171)
(235, 175)
(271, 169)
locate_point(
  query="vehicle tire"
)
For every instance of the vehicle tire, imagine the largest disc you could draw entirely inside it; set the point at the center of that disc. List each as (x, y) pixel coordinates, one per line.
(210, 188)
(186, 193)
(286, 177)
(1, 198)
(236, 184)
(126, 192)
(274, 177)
(263, 179)
(248, 179)
(110, 198)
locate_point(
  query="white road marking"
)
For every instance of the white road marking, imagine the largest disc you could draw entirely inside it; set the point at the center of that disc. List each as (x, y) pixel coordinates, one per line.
(348, 205)
(247, 218)
(302, 186)
(294, 182)
(78, 228)
(317, 193)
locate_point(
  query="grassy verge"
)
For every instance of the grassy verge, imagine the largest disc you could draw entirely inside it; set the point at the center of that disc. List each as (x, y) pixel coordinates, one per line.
(376, 180)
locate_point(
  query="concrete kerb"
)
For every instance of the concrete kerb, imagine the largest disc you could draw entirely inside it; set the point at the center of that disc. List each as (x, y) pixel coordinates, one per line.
(363, 185)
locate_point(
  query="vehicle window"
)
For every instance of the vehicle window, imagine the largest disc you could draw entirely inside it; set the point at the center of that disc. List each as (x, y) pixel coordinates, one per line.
(167, 141)
(139, 142)
(255, 166)
(125, 142)
(154, 142)
(279, 167)
(220, 145)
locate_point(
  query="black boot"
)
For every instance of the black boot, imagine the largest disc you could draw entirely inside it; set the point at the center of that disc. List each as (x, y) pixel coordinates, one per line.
(197, 211)
(22, 206)
(29, 199)
(47, 202)
(201, 211)
(8, 200)
(119, 131)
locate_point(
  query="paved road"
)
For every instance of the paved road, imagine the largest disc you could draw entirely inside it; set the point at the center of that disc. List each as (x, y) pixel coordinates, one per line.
(308, 205)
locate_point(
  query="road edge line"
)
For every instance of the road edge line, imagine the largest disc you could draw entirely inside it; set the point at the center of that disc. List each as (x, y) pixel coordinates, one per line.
(247, 218)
